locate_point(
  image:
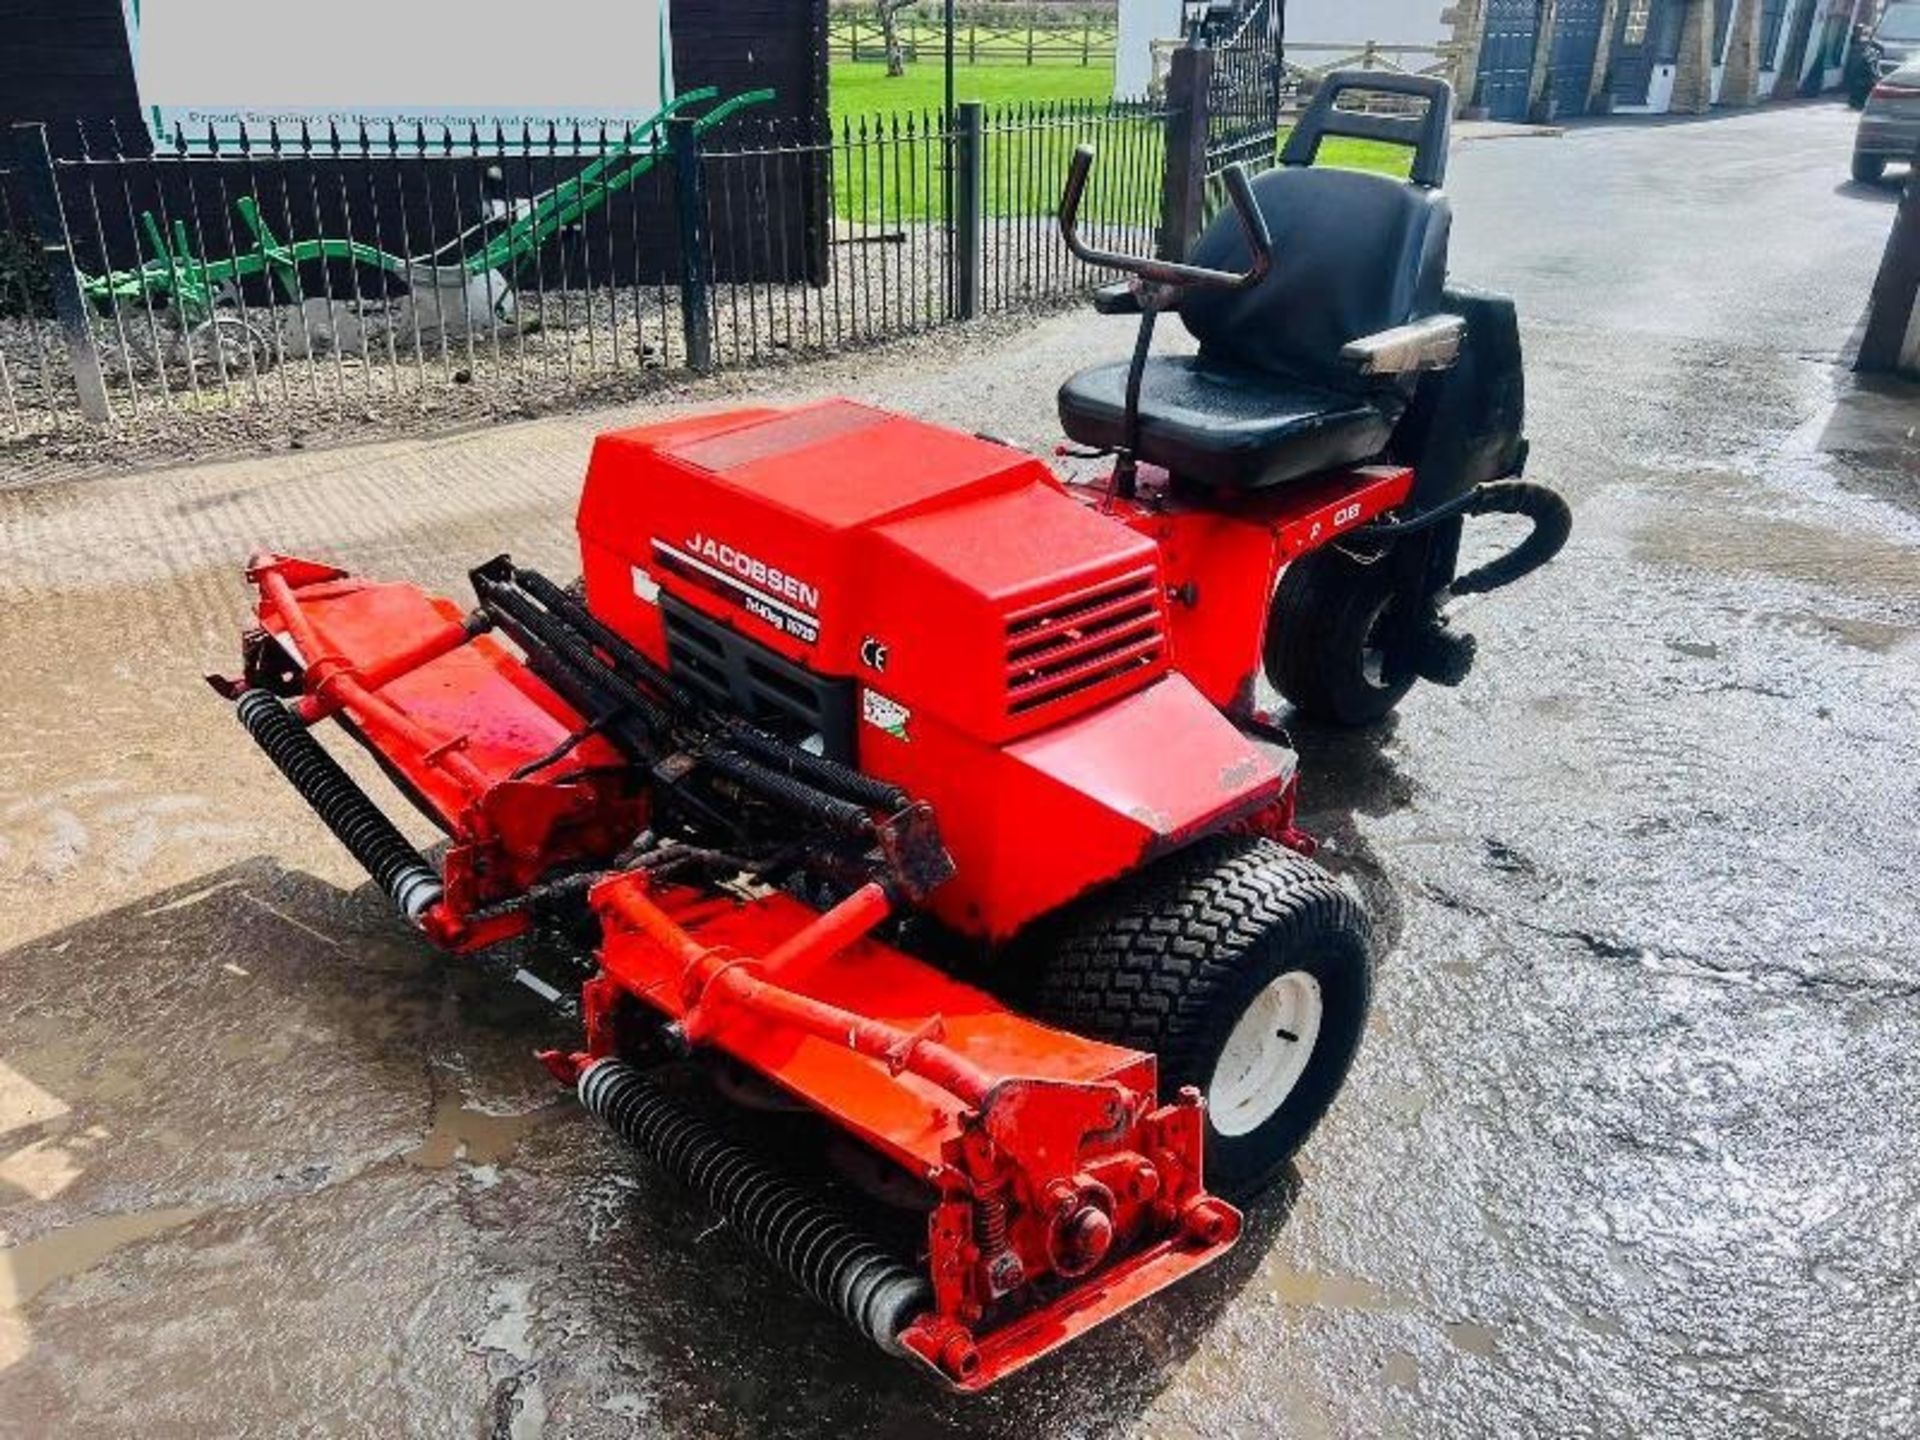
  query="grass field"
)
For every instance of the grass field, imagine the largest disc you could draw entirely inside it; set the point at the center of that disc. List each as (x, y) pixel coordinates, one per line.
(864, 91)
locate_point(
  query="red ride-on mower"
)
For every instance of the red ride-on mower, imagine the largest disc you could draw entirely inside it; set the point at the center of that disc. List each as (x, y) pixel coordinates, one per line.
(910, 809)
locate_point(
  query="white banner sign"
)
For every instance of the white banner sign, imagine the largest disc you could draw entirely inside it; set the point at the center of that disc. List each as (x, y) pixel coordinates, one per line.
(243, 65)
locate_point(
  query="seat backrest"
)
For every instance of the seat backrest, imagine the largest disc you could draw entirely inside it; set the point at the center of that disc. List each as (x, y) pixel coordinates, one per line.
(1353, 254)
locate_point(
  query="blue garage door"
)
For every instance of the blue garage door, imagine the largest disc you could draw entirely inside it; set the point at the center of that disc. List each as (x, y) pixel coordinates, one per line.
(1506, 57)
(1576, 35)
(1649, 35)
(1773, 17)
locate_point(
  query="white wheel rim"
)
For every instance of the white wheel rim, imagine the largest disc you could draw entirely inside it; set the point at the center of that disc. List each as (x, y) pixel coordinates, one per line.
(1266, 1054)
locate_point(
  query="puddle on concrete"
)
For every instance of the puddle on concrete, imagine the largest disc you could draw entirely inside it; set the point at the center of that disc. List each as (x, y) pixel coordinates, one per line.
(460, 1132)
(1877, 637)
(1695, 649)
(1598, 1324)
(1635, 1275)
(1785, 549)
(1305, 1290)
(1474, 1338)
(26, 1270)
(1400, 1370)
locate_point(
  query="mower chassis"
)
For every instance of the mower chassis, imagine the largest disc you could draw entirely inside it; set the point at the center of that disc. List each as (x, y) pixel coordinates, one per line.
(1048, 1156)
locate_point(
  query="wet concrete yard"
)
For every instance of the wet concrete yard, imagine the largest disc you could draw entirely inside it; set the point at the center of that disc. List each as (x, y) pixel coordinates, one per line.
(1630, 1147)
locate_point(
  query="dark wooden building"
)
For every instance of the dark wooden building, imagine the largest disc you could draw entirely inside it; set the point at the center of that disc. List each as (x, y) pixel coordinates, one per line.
(69, 61)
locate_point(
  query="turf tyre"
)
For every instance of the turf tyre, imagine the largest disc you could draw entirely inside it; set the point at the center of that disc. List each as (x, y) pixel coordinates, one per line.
(1323, 632)
(1172, 959)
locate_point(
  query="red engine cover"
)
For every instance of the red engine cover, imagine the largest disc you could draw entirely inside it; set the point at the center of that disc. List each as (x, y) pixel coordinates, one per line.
(1009, 645)
(864, 544)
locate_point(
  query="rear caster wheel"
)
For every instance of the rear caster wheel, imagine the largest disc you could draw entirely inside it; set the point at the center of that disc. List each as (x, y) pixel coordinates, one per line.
(1325, 649)
(1244, 967)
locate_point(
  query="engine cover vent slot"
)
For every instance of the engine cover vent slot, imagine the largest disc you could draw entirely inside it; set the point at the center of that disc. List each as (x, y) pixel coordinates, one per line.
(1085, 638)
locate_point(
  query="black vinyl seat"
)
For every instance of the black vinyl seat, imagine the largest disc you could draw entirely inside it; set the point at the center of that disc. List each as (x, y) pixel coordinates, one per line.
(1268, 399)
(1225, 424)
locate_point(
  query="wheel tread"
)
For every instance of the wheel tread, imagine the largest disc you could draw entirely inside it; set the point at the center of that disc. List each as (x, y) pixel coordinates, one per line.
(1143, 972)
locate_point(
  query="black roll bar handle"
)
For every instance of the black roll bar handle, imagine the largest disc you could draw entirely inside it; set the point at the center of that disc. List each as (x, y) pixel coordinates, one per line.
(1167, 272)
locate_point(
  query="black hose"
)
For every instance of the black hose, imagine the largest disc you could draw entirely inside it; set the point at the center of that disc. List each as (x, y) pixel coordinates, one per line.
(1552, 524)
(816, 770)
(585, 693)
(836, 814)
(828, 791)
(799, 1232)
(841, 780)
(563, 643)
(570, 611)
(400, 870)
(1460, 504)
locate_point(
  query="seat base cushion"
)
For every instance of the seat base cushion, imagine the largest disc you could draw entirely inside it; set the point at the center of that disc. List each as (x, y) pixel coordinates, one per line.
(1224, 425)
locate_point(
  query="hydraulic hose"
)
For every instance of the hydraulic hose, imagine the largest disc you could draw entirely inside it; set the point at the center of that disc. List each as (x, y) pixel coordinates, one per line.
(1552, 523)
(596, 660)
(571, 612)
(843, 817)
(842, 781)
(565, 644)
(828, 1255)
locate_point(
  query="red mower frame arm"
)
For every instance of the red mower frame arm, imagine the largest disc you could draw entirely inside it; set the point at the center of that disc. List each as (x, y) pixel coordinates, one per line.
(714, 978)
(336, 685)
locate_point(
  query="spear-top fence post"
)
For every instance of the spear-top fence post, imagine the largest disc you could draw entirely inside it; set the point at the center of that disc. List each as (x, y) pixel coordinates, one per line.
(969, 189)
(690, 201)
(56, 249)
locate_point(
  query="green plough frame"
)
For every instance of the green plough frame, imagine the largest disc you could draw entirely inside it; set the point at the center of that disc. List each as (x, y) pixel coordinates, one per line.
(193, 287)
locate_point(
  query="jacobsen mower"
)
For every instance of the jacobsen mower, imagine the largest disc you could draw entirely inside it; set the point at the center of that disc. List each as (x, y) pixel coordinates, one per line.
(911, 808)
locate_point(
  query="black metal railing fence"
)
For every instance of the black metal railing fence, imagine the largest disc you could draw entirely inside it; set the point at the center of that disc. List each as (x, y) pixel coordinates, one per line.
(339, 275)
(29, 364)
(1245, 90)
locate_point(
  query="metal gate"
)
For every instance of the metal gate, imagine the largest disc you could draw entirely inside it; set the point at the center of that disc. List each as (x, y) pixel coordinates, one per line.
(1506, 57)
(1243, 97)
(1576, 36)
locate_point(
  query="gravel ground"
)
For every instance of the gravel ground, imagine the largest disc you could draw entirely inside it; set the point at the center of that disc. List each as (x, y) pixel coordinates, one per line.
(352, 369)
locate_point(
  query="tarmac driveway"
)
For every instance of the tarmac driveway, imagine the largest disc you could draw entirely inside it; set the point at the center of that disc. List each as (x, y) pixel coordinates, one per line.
(1630, 1147)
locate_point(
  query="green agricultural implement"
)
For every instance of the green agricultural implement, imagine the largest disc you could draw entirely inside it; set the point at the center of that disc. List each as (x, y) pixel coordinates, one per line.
(464, 283)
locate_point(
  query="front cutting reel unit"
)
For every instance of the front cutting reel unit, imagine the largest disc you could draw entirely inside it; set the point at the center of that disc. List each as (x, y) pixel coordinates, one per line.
(744, 895)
